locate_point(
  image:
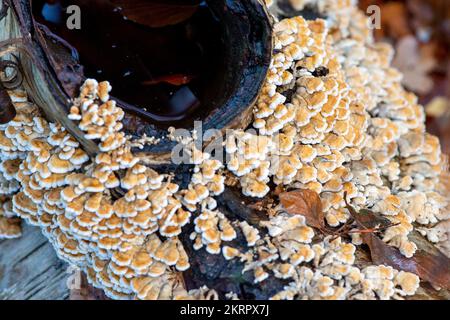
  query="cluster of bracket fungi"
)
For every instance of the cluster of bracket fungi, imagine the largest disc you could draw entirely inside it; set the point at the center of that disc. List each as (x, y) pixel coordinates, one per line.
(332, 117)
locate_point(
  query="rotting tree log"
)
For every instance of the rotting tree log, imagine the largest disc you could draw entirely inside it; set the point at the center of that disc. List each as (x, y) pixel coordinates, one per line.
(53, 74)
(40, 80)
(30, 269)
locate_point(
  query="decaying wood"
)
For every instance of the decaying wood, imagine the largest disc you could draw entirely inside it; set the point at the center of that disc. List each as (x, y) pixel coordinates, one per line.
(30, 269)
(425, 291)
(7, 110)
(246, 23)
(214, 271)
(41, 87)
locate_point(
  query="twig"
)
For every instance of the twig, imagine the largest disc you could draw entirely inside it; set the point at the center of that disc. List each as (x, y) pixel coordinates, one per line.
(374, 230)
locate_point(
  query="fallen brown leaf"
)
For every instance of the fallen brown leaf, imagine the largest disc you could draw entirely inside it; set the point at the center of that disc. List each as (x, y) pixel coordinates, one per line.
(428, 262)
(368, 219)
(306, 203)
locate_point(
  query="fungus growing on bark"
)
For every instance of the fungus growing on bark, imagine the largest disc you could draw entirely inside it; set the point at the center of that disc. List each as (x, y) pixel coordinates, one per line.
(331, 118)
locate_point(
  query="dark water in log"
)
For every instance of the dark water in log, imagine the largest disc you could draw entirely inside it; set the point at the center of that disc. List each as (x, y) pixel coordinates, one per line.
(159, 55)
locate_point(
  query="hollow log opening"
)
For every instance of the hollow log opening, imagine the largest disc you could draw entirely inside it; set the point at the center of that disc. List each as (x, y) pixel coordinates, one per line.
(171, 63)
(163, 57)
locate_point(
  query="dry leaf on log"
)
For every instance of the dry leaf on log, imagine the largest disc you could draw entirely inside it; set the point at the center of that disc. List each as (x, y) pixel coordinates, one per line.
(428, 262)
(306, 203)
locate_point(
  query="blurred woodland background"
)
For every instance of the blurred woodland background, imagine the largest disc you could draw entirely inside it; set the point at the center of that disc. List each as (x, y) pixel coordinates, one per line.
(420, 32)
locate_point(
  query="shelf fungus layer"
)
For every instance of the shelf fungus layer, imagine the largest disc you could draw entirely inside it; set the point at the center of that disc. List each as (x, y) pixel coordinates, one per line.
(331, 117)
